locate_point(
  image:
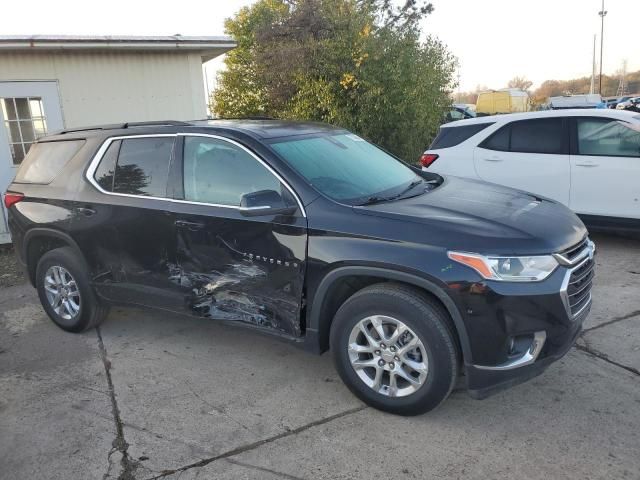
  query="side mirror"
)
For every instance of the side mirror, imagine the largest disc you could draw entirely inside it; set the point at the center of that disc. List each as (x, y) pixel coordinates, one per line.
(265, 202)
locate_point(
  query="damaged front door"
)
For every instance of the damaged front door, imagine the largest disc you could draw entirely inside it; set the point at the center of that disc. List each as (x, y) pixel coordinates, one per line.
(232, 264)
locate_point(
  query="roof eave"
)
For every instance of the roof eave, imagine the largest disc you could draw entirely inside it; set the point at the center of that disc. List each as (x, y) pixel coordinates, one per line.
(207, 49)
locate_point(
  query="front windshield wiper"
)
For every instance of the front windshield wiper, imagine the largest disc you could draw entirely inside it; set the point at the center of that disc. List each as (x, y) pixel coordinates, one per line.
(373, 200)
(410, 187)
(377, 199)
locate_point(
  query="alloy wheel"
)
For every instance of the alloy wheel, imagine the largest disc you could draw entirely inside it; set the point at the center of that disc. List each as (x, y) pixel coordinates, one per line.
(62, 292)
(388, 356)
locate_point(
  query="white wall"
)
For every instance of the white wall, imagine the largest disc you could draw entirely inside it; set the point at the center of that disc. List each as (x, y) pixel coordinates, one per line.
(105, 87)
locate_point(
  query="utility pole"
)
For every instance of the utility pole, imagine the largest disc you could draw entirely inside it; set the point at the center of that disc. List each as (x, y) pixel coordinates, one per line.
(602, 14)
(593, 67)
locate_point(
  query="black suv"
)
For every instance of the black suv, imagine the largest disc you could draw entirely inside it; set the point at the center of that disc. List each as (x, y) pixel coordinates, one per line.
(308, 232)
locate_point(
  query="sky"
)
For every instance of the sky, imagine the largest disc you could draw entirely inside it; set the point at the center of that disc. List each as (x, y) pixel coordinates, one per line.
(494, 40)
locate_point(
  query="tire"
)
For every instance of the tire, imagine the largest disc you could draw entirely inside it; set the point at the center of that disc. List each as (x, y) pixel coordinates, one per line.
(63, 263)
(424, 318)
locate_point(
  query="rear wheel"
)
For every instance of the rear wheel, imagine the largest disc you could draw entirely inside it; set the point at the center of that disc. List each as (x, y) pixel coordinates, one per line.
(394, 348)
(65, 292)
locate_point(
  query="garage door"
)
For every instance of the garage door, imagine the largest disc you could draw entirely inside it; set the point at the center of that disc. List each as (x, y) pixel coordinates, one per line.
(28, 110)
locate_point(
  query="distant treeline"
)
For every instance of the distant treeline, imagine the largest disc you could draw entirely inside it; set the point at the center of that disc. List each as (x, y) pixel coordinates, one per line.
(552, 88)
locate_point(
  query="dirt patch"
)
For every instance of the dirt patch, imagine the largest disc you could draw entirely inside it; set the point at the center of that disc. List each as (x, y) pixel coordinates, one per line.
(10, 271)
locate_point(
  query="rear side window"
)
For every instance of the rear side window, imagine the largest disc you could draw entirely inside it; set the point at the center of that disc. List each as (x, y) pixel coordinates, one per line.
(499, 140)
(452, 136)
(546, 136)
(45, 160)
(143, 166)
(537, 136)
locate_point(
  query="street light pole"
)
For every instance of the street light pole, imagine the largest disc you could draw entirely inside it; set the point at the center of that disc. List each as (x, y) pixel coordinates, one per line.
(602, 14)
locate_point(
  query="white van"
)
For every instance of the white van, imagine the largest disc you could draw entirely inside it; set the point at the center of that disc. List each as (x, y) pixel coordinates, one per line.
(592, 100)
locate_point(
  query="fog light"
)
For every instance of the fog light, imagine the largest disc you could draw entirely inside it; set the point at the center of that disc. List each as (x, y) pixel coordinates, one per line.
(520, 344)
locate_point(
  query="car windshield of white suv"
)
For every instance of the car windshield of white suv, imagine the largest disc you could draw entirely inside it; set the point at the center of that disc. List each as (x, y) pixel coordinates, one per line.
(349, 169)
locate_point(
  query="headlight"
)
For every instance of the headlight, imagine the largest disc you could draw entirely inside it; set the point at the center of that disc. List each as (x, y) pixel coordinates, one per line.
(508, 269)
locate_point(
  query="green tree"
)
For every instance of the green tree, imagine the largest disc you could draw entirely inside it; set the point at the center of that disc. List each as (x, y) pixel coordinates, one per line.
(358, 64)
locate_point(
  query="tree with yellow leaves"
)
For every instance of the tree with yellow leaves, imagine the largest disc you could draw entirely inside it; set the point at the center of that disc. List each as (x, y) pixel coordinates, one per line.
(359, 64)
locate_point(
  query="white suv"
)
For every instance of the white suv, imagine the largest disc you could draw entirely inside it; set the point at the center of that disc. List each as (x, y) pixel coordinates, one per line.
(587, 159)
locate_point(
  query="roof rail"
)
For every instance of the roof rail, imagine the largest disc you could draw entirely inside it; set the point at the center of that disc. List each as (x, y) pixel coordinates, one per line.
(119, 126)
(177, 123)
(249, 117)
(86, 129)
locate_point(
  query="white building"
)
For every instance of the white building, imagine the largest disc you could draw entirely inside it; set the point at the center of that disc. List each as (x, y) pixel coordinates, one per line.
(49, 83)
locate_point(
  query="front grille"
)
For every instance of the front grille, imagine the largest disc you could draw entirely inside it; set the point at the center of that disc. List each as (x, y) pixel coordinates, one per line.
(579, 287)
(571, 253)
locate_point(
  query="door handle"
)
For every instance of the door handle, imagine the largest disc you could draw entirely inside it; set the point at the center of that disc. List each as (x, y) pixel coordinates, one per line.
(492, 159)
(189, 225)
(87, 212)
(586, 164)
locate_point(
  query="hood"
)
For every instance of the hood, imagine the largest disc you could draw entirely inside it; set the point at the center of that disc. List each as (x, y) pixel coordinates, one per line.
(474, 216)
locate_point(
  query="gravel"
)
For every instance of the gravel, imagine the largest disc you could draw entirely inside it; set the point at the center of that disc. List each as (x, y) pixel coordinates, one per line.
(10, 271)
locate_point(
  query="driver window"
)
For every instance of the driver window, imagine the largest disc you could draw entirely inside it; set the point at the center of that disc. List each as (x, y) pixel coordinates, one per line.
(219, 172)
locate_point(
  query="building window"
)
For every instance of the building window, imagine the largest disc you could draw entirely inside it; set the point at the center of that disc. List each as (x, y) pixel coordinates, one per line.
(25, 122)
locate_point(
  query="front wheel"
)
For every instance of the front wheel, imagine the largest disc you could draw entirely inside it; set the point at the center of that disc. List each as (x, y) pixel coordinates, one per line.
(394, 348)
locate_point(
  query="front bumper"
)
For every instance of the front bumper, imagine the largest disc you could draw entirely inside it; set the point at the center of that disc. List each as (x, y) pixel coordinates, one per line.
(516, 330)
(483, 382)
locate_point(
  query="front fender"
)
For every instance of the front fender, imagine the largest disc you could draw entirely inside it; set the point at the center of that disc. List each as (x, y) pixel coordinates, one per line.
(318, 323)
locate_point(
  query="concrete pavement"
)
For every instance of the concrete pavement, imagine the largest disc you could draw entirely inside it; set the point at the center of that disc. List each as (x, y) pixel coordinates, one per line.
(151, 395)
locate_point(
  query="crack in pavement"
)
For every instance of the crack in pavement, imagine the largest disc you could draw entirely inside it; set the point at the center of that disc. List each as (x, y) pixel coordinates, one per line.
(147, 431)
(612, 321)
(594, 353)
(110, 464)
(218, 409)
(119, 443)
(263, 469)
(130, 465)
(93, 390)
(254, 445)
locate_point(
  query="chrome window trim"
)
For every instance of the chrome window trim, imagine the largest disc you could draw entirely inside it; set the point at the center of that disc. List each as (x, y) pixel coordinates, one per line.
(95, 161)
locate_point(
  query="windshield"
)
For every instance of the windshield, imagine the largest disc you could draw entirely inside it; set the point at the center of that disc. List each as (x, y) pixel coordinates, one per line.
(345, 167)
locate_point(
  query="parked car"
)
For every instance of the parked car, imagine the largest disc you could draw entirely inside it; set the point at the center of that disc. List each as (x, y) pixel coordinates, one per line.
(587, 160)
(630, 104)
(611, 102)
(312, 234)
(458, 112)
(620, 100)
(507, 100)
